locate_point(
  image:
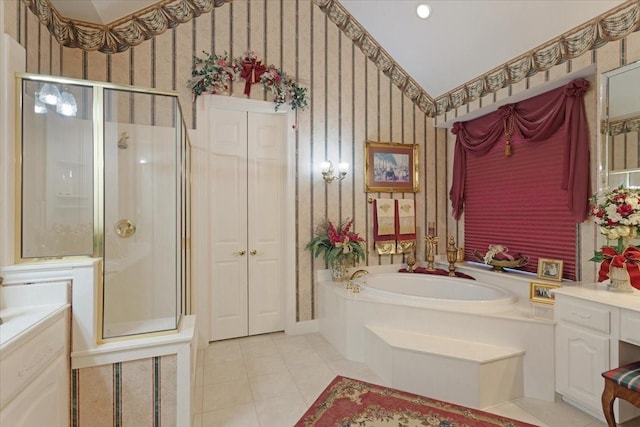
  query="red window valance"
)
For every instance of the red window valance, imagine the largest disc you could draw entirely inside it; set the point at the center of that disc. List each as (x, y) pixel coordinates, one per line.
(534, 119)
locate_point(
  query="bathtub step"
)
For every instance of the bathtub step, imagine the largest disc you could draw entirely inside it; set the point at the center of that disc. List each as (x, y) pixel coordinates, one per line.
(469, 373)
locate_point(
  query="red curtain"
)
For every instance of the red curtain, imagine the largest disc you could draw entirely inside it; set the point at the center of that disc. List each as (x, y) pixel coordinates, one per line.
(534, 119)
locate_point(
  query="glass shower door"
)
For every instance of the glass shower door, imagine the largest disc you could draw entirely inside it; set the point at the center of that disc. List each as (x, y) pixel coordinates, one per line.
(142, 260)
(57, 171)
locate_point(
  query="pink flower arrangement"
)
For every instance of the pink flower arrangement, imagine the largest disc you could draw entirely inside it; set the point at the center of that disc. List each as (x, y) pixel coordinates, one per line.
(271, 77)
(617, 212)
(215, 73)
(283, 88)
(337, 244)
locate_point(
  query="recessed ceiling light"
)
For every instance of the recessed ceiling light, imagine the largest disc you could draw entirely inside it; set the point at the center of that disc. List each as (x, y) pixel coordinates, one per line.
(423, 10)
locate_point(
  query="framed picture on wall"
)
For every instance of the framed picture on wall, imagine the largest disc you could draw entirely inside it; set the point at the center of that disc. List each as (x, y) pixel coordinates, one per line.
(550, 269)
(391, 167)
(541, 292)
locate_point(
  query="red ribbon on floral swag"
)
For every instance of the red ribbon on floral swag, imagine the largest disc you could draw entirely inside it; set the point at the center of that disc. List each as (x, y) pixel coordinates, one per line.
(629, 259)
(252, 70)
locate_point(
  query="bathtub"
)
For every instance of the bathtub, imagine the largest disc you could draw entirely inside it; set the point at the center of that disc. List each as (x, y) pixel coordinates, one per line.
(493, 309)
(435, 291)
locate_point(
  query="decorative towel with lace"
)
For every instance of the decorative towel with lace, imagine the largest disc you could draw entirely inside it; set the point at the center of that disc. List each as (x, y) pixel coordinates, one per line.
(406, 230)
(384, 226)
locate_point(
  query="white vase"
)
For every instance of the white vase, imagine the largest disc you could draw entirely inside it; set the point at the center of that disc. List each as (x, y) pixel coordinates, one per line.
(619, 280)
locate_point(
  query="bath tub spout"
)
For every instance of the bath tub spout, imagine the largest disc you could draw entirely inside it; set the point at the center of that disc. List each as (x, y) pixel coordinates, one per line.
(358, 273)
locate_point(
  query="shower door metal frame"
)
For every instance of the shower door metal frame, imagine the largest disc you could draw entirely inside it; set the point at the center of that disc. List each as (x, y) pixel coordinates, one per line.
(183, 176)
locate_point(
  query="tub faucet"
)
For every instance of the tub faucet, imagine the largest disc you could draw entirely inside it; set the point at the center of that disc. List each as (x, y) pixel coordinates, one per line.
(432, 246)
(358, 273)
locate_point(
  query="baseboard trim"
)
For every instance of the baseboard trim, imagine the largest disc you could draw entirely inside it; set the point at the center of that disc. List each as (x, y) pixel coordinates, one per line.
(304, 327)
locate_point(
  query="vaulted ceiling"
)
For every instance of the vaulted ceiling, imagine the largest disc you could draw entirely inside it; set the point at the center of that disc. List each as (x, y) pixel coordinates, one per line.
(461, 40)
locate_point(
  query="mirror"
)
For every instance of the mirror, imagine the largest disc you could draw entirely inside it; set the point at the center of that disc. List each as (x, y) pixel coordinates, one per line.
(621, 126)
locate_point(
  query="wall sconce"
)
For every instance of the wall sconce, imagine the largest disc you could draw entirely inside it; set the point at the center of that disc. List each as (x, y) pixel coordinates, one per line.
(39, 107)
(66, 105)
(63, 102)
(49, 94)
(327, 171)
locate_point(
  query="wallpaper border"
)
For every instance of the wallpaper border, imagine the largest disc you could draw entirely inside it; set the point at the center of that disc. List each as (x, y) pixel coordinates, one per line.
(120, 35)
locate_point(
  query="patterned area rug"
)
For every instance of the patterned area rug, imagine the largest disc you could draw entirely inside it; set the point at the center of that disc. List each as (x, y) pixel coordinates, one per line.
(349, 403)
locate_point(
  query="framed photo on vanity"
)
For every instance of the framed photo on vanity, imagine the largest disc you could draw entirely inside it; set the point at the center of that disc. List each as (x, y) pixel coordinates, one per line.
(550, 269)
(391, 167)
(541, 292)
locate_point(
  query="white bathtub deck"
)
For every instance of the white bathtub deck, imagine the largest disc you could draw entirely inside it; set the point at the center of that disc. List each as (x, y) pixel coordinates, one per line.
(343, 316)
(473, 373)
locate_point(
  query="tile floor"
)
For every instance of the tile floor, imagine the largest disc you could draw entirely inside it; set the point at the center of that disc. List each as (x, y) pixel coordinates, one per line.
(271, 380)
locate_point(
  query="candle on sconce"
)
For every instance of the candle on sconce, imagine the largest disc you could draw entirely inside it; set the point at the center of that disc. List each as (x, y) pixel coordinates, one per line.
(432, 228)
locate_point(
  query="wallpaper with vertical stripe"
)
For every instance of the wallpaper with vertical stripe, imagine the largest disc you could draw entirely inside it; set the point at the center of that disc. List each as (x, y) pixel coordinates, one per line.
(351, 102)
(134, 393)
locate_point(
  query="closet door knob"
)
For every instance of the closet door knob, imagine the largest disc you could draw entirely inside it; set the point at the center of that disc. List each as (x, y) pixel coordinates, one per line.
(254, 252)
(242, 252)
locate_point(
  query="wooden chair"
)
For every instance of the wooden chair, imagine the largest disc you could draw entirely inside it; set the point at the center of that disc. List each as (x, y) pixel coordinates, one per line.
(622, 382)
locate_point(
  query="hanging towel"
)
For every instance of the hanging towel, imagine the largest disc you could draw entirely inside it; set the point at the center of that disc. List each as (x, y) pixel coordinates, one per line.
(384, 226)
(406, 220)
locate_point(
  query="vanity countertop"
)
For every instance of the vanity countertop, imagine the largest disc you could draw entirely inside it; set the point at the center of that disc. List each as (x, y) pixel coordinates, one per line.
(597, 292)
(20, 322)
(26, 308)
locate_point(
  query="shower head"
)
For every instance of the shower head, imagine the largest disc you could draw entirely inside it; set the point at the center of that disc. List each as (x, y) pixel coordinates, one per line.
(122, 142)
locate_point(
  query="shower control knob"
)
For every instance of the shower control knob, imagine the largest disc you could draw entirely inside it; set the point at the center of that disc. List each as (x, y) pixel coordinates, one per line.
(242, 252)
(125, 228)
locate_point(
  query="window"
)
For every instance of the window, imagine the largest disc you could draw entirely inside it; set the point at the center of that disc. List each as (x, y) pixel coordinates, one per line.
(516, 202)
(531, 201)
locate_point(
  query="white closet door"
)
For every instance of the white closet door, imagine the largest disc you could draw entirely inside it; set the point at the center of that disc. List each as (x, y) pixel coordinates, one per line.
(267, 136)
(228, 201)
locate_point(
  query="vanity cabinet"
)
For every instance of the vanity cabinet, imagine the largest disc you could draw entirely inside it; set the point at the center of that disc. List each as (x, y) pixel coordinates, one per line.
(596, 330)
(582, 350)
(35, 375)
(630, 326)
(43, 402)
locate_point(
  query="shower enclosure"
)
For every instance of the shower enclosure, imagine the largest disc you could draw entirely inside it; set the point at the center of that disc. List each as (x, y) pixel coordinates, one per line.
(104, 173)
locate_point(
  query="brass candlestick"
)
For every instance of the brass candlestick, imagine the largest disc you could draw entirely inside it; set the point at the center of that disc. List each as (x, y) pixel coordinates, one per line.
(432, 245)
(411, 262)
(454, 254)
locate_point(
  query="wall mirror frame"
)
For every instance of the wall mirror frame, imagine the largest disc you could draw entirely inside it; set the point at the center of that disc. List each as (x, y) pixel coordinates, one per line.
(620, 127)
(619, 153)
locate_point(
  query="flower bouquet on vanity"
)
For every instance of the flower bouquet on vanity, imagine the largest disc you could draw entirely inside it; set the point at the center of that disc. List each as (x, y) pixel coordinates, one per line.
(339, 247)
(617, 213)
